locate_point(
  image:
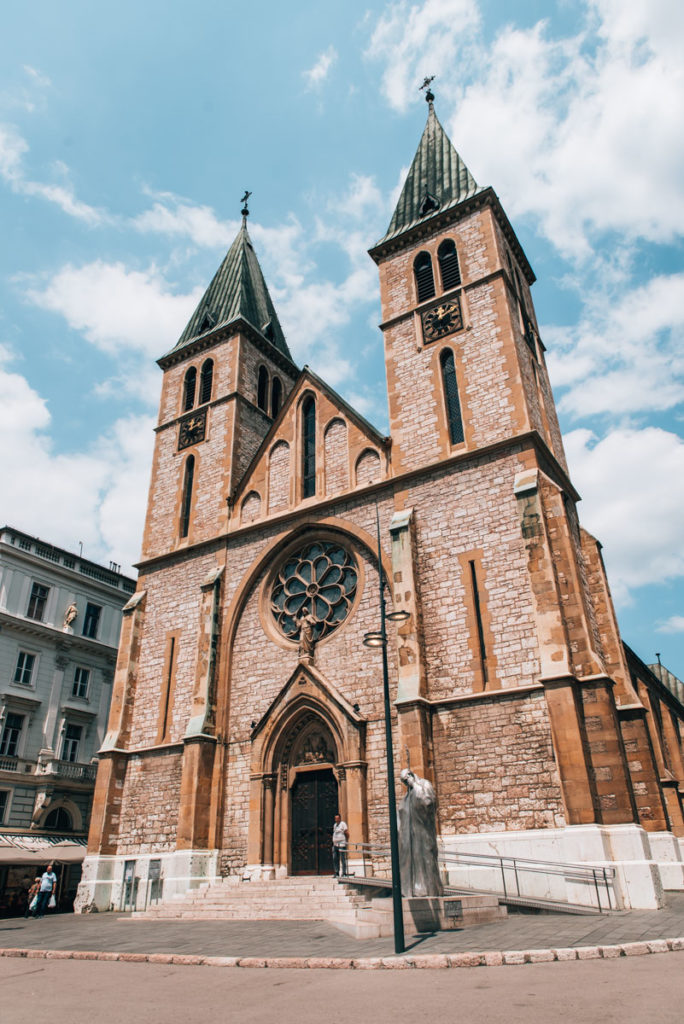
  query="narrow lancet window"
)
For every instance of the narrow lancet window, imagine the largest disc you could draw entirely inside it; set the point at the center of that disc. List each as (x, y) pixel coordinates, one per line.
(308, 448)
(425, 281)
(206, 380)
(451, 399)
(480, 627)
(186, 501)
(189, 385)
(262, 389)
(448, 265)
(276, 396)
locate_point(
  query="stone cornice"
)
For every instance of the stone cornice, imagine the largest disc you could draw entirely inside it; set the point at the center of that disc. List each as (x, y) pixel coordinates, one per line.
(223, 333)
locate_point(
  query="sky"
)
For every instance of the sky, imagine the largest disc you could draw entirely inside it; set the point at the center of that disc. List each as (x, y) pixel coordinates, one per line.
(129, 131)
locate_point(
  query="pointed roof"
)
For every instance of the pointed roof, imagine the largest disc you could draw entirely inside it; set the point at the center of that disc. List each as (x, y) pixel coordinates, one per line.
(438, 179)
(238, 291)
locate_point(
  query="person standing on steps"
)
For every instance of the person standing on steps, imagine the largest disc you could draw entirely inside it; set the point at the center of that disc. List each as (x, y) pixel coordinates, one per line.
(48, 887)
(340, 838)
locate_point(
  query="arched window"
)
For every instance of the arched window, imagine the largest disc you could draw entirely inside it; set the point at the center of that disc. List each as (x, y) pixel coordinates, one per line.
(276, 396)
(186, 501)
(308, 447)
(453, 405)
(262, 388)
(189, 389)
(59, 819)
(448, 265)
(425, 282)
(206, 381)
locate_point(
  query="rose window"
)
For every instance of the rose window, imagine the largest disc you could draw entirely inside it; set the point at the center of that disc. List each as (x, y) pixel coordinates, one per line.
(319, 580)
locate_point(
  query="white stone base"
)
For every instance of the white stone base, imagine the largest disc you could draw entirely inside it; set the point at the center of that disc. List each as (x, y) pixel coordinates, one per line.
(644, 863)
(102, 881)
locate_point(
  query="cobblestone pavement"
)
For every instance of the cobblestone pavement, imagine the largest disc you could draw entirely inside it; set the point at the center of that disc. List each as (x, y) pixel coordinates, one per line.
(114, 932)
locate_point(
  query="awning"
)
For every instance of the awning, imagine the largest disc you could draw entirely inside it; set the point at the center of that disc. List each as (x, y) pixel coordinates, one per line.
(23, 849)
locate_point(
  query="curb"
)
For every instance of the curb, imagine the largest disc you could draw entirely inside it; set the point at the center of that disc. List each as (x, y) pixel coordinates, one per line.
(511, 957)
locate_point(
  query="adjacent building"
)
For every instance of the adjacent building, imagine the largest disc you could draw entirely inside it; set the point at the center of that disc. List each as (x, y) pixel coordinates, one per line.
(246, 709)
(60, 619)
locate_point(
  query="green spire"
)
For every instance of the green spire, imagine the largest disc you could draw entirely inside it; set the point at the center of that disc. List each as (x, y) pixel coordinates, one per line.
(238, 291)
(438, 179)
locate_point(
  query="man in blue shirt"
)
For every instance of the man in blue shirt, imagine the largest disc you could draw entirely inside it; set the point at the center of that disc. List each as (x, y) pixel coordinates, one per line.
(48, 886)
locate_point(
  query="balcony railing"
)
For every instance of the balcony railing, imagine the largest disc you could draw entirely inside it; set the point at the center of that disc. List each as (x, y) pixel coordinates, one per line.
(70, 770)
(16, 764)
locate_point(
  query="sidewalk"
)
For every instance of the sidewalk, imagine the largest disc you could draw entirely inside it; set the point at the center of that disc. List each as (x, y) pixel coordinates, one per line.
(514, 940)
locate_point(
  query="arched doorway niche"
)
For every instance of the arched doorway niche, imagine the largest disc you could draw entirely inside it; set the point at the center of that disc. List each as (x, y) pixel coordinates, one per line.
(310, 734)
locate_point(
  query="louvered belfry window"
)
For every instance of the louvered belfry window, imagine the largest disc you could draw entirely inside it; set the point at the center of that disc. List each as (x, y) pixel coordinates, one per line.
(189, 389)
(206, 380)
(262, 388)
(276, 396)
(453, 404)
(425, 281)
(448, 265)
(308, 448)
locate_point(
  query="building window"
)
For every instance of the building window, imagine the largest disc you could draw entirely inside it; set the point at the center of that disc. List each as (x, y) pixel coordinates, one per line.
(71, 741)
(59, 820)
(4, 800)
(186, 501)
(37, 601)
(81, 682)
(11, 733)
(448, 265)
(425, 282)
(189, 385)
(206, 380)
(276, 396)
(91, 620)
(23, 673)
(453, 405)
(308, 448)
(262, 388)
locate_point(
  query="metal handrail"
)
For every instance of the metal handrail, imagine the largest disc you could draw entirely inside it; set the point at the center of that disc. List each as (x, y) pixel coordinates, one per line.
(599, 877)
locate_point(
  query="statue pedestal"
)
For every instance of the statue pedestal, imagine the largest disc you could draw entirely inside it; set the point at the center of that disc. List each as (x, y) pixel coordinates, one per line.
(446, 913)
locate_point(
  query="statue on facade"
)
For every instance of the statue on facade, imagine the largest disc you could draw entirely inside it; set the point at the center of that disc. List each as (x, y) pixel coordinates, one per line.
(69, 616)
(418, 856)
(307, 636)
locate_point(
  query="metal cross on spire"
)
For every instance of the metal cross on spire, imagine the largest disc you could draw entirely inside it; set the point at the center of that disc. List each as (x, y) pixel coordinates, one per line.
(429, 95)
(245, 211)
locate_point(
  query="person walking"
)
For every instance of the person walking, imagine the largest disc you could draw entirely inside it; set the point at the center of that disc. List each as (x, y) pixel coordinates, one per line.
(48, 887)
(30, 895)
(340, 838)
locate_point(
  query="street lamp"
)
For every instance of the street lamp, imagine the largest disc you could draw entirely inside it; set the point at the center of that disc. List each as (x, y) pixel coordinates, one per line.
(378, 638)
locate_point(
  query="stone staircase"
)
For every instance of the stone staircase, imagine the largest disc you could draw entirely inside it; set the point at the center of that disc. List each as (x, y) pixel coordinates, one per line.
(365, 914)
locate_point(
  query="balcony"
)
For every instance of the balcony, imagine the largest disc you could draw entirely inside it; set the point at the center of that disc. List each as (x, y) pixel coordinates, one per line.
(69, 770)
(16, 764)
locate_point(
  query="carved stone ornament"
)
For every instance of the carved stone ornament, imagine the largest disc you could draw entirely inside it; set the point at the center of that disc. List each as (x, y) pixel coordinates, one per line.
(313, 593)
(192, 429)
(315, 750)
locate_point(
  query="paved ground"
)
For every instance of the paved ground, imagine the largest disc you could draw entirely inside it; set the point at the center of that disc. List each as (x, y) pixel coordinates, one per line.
(627, 991)
(118, 933)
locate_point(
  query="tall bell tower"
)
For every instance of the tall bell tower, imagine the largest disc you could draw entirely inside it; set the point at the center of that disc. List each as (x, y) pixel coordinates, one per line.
(465, 364)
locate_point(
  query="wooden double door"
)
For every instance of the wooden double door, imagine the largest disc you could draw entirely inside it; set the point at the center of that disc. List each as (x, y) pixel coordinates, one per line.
(314, 805)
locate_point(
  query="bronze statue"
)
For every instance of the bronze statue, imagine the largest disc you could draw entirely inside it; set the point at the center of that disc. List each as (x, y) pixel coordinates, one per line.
(418, 857)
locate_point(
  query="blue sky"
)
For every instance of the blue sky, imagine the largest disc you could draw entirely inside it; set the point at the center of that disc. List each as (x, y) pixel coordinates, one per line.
(128, 133)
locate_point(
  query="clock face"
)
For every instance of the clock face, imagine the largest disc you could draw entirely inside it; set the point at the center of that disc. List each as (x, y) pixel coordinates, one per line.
(192, 429)
(442, 320)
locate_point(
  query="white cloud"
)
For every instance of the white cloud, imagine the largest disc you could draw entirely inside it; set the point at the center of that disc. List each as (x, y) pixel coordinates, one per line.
(172, 215)
(37, 76)
(117, 308)
(96, 496)
(632, 486)
(12, 151)
(626, 354)
(317, 74)
(675, 624)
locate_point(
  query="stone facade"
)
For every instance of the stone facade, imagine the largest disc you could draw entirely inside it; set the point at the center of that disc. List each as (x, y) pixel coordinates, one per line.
(512, 689)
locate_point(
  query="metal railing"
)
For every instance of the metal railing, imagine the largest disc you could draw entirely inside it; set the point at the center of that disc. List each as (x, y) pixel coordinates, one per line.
(505, 876)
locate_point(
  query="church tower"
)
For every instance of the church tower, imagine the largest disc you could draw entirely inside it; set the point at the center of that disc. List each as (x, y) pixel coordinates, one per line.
(245, 708)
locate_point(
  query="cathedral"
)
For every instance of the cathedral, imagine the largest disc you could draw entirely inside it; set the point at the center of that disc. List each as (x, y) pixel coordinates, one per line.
(246, 710)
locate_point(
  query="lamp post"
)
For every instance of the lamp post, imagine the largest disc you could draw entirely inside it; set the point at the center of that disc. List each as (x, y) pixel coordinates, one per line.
(379, 639)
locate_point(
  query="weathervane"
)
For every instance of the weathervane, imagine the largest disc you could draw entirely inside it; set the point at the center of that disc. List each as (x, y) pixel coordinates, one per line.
(429, 95)
(245, 211)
